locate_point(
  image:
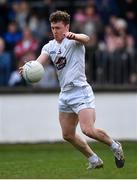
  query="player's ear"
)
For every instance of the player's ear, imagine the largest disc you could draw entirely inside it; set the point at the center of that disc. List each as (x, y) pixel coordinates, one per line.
(68, 26)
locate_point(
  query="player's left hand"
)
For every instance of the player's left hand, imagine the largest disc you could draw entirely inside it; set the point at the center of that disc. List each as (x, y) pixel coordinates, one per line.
(70, 35)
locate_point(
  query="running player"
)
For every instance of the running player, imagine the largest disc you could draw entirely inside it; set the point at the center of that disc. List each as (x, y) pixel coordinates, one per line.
(76, 99)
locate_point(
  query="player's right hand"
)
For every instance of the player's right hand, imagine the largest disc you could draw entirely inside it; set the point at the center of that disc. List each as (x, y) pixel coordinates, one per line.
(21, 70)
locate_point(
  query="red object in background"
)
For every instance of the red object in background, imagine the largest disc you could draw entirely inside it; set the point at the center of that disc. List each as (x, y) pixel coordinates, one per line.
(25, 46)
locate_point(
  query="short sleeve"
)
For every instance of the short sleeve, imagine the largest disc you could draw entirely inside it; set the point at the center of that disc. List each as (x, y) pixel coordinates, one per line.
(77, 43)
(45, 49)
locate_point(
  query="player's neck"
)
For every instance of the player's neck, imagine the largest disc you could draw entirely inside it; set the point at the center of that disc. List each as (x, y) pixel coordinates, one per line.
(60, 41)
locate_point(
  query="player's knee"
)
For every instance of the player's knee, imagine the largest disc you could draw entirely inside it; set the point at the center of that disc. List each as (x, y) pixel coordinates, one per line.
(68, 137)
(88, 131)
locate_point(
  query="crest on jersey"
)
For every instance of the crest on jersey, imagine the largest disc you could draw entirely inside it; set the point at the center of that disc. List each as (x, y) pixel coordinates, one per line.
(60, 62)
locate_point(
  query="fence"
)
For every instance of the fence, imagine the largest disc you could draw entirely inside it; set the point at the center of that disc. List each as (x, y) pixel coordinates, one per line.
(112, 68)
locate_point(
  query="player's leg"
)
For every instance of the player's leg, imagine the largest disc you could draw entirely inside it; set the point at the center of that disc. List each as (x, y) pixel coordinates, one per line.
(68, 122)
(87, 120)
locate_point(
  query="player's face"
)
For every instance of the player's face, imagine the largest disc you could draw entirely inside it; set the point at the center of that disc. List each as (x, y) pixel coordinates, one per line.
(58, 30)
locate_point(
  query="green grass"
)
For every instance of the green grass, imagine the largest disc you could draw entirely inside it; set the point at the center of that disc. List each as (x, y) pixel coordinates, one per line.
(62, 161)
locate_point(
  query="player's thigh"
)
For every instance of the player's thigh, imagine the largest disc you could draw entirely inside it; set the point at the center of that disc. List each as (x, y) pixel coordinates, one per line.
(87, 118)
(68, 122)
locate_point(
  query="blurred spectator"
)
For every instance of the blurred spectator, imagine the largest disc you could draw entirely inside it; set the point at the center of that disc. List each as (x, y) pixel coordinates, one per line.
(15, 77)
(29, 55)
(93, 28)
(114, 62)
(5, 64)
(127, 6)
(112, 21)
(133, 60)
(27, 44)
(3, 17)
(23, 13)
(119, 63)
(111, 56)
(120, 26)
(20, 12)
(48, 7)
(78, 20)
(117, 27)
(109, 39)
(106, 8)
(93, 23)
(38, 26)
(128, 12)
(130, 44)
(12, 36)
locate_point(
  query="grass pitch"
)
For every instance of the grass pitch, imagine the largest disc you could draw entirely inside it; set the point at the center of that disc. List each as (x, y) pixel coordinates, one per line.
(62, 161)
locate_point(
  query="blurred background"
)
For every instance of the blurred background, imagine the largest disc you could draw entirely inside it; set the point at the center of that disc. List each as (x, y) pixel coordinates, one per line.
(111, 57)
(111, 65)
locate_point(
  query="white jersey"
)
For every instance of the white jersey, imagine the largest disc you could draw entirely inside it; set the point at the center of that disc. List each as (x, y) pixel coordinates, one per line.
(69, 60)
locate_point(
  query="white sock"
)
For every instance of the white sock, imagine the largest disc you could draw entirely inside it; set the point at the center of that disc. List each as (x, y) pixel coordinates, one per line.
(114, 145)
(93, 158)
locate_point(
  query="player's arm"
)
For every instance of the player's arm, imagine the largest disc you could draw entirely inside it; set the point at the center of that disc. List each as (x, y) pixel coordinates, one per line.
(82, 38)
(43, 59)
